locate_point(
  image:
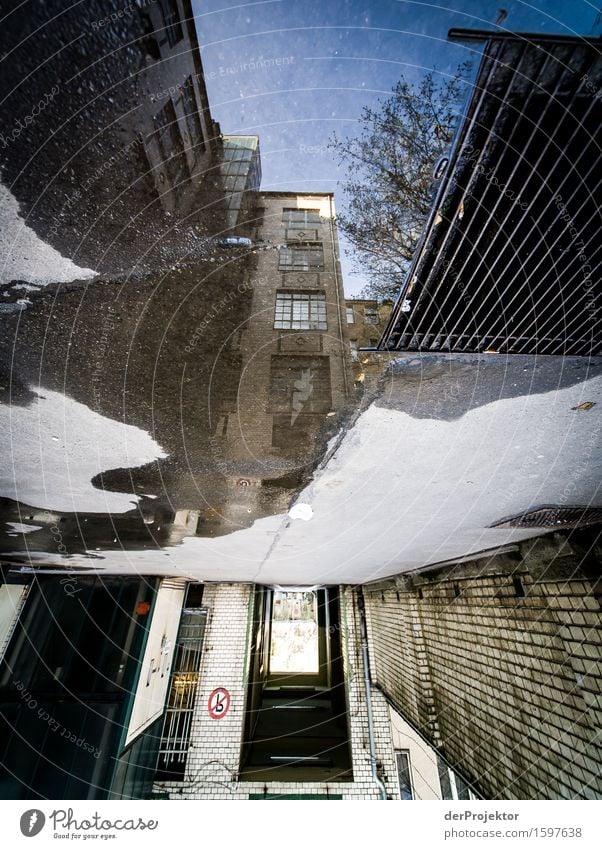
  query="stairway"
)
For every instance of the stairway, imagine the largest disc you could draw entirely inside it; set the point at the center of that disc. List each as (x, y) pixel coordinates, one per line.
(298, 737)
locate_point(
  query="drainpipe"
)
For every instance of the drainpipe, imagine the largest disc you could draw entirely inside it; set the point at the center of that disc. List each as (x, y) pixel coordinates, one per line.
(338, 287)
(364, 635)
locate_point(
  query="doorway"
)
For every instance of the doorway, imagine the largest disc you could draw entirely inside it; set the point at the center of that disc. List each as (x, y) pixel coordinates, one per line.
(296, 724)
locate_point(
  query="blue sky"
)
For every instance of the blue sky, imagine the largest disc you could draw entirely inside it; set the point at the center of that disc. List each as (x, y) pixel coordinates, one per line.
(294, 72)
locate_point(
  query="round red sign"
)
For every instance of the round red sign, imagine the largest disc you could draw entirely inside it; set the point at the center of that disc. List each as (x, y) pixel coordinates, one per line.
(219, 703)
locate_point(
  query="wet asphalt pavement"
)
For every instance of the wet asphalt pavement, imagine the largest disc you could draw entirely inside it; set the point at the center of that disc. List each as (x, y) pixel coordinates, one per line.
(113, 381)
(70, 152)
(121, 361)
(132, 354)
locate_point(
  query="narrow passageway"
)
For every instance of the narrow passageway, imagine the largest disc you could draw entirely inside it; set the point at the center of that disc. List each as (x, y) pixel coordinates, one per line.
(296, 723)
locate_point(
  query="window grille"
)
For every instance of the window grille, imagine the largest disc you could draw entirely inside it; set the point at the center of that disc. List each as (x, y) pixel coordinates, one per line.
(175, 737)
(301, 219)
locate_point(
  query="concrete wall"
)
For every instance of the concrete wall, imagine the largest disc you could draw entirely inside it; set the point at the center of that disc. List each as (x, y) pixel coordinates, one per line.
(423, 758)
(507, 685)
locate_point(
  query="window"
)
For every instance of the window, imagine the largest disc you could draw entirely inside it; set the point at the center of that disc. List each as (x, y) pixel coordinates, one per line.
(403, 770)
(300, 311)
(453, 785)
(302, 257)
(371, 315)
(171, 21)
(193, 120)
(354, 351)
(169, 141)
(293, 431)
(294, 644)
(301, 219)
(350, 315)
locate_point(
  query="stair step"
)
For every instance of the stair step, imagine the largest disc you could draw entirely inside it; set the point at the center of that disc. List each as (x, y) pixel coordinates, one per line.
(298, 772)
(304, 760)
(301, 723)
(335, 749)
(315, 687)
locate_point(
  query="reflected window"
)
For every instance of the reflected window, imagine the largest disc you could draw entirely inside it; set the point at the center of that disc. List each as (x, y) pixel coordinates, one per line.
(299, 385)
(350, 315)
(170, 144)
(305, 256)
(371, 315)
(301, 219)
(294, 645)
(300, 311)
(171, 21)
(193, 121)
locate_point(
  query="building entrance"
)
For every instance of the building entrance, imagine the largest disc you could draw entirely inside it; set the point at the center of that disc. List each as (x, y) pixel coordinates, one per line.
(296, 726)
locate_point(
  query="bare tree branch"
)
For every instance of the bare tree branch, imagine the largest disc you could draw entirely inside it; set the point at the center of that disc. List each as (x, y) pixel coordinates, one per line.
(388, 189)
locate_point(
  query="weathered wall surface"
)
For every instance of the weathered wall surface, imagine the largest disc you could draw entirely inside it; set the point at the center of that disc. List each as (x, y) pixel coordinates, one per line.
(498, 663)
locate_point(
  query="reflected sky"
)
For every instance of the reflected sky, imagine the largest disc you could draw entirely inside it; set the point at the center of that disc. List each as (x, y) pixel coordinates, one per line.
(295, 73)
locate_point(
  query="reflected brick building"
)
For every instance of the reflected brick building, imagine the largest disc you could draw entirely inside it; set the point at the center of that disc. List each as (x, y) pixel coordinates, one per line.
(295, 334)
(366, 320)
(127, 135)
(291, 356)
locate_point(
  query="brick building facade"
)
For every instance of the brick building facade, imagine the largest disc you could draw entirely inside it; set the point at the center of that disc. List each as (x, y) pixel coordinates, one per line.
(496, 662)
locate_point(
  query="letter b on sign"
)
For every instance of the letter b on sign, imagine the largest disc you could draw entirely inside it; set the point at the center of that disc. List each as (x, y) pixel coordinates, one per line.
(218, 703)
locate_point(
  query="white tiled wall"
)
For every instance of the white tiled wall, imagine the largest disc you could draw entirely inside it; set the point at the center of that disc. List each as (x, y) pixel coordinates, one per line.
(213, 761)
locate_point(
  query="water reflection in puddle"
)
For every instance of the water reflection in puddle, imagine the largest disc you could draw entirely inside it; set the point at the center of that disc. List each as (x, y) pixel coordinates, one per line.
(142, 413)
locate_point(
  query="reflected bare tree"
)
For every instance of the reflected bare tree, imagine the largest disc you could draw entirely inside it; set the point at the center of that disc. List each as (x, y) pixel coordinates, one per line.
(389, 182)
